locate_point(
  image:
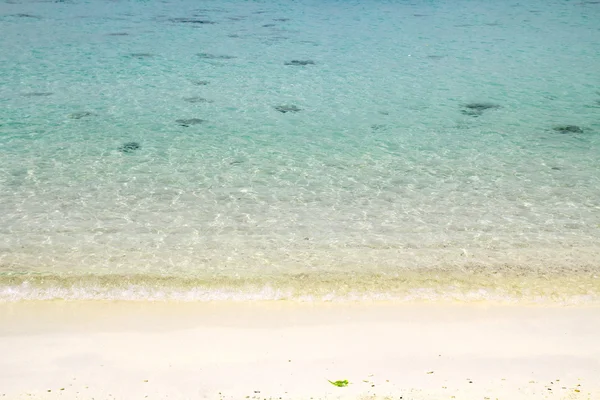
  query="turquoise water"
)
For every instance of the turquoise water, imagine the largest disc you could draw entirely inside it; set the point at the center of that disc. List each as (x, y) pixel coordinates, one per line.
(268, 149)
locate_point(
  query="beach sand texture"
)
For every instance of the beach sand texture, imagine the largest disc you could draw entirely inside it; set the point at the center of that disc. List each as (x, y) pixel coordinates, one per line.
(95, 350)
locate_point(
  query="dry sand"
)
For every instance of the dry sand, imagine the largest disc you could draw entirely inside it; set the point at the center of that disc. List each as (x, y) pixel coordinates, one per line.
(279, 350)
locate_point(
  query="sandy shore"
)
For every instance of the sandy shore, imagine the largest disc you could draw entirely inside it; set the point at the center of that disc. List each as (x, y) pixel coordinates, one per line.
(279, 350)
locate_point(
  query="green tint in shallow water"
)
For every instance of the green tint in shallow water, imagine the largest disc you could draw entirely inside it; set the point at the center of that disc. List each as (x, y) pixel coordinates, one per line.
(252, 142)
(572, 287)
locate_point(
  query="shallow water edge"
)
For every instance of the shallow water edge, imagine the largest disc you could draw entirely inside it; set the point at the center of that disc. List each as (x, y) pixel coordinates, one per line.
(471, 284)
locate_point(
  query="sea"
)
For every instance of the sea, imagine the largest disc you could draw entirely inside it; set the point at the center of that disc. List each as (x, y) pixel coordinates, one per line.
(302, 150)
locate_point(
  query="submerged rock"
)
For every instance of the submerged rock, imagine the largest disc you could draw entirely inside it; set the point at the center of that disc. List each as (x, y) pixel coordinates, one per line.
(476, 109)
(481, 106)
(197, 100)
(130, 147)
(286, 109)
(23, 15)
(300, 62)
(189, 122)
(567, 129)
(192, 21)
(141, 55)
(211, 10)
(81, 114)
(208, 56)
(37, 94)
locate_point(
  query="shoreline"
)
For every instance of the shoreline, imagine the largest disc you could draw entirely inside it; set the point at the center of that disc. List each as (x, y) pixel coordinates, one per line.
(287, 350)
(569, 286)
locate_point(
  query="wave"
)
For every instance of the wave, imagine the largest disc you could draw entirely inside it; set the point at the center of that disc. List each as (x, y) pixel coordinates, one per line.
(430, 285)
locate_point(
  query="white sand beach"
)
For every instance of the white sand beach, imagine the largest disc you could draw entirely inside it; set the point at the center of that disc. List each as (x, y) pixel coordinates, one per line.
(281, 350)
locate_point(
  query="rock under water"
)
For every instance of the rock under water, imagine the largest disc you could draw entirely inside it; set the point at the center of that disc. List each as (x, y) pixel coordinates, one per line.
(197, 100)
(476, 109)
(23, 15)
(81, 114)
(567, 129)
(192, 21)
(285, 109)
(300, 62)
(141, 55)
(189, 122)
(208, 56)
(130, 147)
(37, 94)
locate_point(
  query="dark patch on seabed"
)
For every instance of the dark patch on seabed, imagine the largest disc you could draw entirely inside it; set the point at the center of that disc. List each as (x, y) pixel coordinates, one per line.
(141, 55)
(208, 56)
(286, 109)
(130, 147)
(477, 109)
(189, 122)
(197, 100)
(31, 16)
(81, 114)
(567, 129)
(192, 21)
(37, 94)
(210, 10)
(300, 62)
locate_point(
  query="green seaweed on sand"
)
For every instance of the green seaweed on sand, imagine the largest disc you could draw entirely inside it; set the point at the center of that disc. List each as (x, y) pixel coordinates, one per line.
(343, 383)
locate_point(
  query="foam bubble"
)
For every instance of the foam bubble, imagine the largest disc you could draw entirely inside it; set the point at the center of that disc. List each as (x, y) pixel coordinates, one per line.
(414, 287)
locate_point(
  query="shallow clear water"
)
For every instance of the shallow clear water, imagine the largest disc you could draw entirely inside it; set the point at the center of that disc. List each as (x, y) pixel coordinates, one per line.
(378, 168)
